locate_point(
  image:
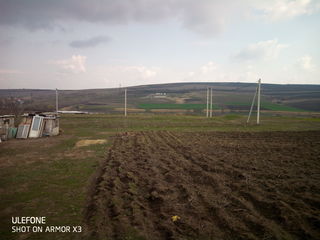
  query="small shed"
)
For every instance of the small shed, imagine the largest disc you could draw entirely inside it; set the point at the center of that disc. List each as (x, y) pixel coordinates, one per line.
(6, 126)
(38, 124)
(50, 125)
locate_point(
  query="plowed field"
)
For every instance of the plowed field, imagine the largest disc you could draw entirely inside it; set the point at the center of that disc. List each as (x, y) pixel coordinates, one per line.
(218, 185)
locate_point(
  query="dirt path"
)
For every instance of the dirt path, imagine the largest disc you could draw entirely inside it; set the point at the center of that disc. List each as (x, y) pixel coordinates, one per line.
(221, 185)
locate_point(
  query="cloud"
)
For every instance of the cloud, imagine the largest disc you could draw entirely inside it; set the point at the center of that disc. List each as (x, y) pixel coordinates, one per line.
(219, 72)
(190, 74)
(142, 71)
(112, 75)
(207, 17)
(264, 50)
(91, 42)
(76, 64)
(206, 72)
(210, 66)
(278, 10)
(9, 71)
(306, 63)
(5, 40)
(210, 17)
(303, 70)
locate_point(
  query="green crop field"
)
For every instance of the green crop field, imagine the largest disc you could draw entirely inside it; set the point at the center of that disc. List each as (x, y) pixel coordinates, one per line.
(268, 106)
(278, 107)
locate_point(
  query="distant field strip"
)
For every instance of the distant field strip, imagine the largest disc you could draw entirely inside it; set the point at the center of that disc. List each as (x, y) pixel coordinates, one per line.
(264, 105)
(174, 106)
(268, 106)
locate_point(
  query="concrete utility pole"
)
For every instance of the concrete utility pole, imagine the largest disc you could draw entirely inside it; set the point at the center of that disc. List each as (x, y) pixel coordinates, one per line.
(258, 107)
(210, 102)
(207, 102)
(253, 100)
(125, 102)
(258, 103)
(57, 101)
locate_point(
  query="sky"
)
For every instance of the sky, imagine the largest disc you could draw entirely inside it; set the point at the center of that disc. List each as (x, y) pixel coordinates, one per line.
(81, 44)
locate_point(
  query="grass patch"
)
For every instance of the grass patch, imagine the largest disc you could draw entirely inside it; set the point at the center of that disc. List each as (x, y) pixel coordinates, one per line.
(232, 117)
(53, 185)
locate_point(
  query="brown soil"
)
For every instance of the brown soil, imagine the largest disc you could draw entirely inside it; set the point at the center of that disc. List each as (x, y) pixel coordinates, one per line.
(220, 185)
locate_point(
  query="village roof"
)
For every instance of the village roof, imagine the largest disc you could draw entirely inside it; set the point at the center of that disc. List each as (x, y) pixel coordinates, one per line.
(6, 116)
(43, 114)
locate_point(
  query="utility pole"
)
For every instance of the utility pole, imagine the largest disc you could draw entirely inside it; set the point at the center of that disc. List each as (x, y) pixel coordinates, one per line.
(57, 101)
(258, 107)
(211, 102)
(207, 102)
(125, 102)
(258, 103)
(253, 100)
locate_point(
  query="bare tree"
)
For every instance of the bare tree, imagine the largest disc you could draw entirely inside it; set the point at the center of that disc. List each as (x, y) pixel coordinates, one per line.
(11, 106)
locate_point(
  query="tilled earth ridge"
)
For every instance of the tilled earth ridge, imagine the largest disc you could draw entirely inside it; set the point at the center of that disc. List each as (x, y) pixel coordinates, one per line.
(222, 185)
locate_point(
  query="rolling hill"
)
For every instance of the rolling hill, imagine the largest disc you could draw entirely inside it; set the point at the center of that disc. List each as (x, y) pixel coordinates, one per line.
(188, 97)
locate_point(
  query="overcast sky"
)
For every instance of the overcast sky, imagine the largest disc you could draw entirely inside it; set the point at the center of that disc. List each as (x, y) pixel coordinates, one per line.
(77, 44)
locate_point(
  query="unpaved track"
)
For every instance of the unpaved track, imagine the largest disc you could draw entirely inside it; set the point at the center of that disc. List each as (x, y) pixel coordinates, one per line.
(221, 185)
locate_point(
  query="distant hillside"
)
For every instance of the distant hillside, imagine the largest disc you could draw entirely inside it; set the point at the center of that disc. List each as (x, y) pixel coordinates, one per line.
(190, 97)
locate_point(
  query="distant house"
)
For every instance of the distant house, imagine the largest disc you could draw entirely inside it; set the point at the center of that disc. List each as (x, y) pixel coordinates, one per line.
(160, 95)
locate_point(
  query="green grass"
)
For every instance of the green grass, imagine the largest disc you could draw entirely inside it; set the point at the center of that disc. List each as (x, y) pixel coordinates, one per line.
(174, 106)
(100, 124)
(54, 185)
(278, 107)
